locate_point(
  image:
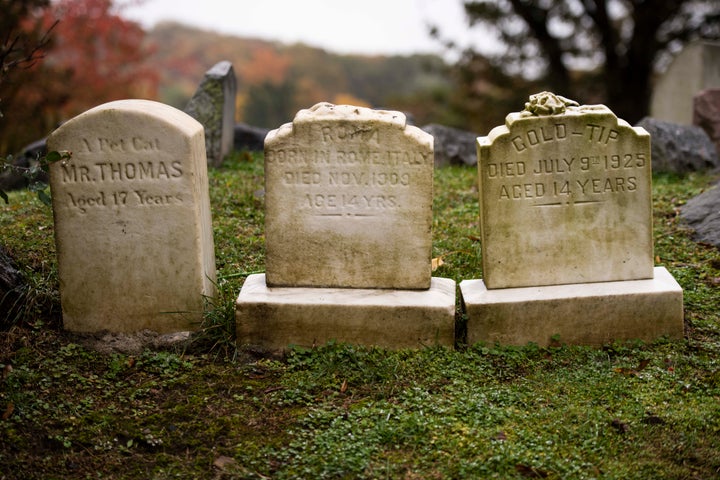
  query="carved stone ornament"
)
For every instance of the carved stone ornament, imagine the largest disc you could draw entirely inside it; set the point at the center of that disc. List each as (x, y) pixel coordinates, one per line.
(547, 103)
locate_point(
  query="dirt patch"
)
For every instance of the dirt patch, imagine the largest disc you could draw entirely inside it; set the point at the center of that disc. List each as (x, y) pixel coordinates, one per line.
(132, 343)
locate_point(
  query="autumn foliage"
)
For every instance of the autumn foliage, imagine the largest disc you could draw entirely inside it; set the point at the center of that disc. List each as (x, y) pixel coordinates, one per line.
(94, 56)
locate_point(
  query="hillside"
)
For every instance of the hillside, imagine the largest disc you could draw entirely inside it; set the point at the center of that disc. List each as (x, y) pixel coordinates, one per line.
(275, 80)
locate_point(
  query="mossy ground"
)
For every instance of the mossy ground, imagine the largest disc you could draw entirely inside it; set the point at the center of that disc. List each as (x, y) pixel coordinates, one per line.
(627, 410)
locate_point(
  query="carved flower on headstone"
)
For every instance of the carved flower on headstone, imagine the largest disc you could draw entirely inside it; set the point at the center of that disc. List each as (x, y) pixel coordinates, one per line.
(547, 103)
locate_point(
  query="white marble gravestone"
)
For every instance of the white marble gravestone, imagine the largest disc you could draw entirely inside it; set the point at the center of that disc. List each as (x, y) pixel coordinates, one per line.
(348, 198)
(565, 204)
(132, 219)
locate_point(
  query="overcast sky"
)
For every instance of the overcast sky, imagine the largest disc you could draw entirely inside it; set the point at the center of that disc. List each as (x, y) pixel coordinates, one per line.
(343, 26)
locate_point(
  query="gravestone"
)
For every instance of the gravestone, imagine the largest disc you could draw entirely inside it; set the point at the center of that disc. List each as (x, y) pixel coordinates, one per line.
(132, 219)
(348, 198)
(213, 105)
(566, 230)
(695, 68)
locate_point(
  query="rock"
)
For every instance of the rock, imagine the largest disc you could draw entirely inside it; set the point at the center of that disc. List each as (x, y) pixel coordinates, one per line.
(679, 148)
(250, 138)
(213, 105)
(12, 289)
(453, 146)
(706, 114)
(702, 214)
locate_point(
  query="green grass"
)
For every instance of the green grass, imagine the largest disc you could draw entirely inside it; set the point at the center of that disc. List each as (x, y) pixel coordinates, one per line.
(626, 411)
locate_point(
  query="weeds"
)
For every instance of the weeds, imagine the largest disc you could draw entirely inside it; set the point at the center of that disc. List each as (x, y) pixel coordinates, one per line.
(629, 410)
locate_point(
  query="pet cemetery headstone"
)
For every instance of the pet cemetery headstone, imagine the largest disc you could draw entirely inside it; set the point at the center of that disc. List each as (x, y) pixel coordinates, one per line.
(566, 230)
(132, 219)
(348, 199)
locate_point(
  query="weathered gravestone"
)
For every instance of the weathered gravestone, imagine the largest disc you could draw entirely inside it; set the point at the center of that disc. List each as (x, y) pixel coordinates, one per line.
(565, 204)
(348, 198)
(695, 68)
(213, 105)
(132, 219)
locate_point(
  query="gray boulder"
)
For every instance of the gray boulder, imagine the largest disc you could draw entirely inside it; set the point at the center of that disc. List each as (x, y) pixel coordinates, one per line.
(706, 114)
(248, 137)
(702, 214)
(679, 148)
(453, 146)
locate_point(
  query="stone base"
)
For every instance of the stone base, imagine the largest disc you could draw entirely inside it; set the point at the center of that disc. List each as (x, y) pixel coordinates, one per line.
(274, 318)
(581, 314)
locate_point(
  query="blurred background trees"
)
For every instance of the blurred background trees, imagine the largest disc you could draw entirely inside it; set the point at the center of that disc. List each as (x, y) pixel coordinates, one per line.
(90, 55)
(594, 51)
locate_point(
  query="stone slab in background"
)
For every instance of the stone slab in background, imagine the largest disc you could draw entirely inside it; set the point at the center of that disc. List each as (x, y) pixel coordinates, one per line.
(274, 318)
(693, 69)
(132, 219)
(702, 214)
(706, 114)
(452, 146)
(580, 314)
(679, 148)
(213, 105)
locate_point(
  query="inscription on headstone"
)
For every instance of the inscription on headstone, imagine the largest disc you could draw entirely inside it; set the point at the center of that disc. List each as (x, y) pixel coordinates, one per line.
(565, 197)
(348, 200)
(132, 219)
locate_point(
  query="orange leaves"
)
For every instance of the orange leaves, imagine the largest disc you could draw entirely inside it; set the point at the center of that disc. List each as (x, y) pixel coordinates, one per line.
(265, 65)
(633, 371)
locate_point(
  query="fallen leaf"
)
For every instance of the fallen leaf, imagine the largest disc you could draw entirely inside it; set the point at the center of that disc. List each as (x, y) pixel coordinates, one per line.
(8, 411)
(344, 386)
(474, 238)
(6, 371)
(436, 263)
(657, 258)
(633, 371)
(620, 426)
(223, 462)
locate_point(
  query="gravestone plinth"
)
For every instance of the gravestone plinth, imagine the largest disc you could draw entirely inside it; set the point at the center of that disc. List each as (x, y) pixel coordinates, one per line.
(348, 199)
(132, 219)
(565, 199)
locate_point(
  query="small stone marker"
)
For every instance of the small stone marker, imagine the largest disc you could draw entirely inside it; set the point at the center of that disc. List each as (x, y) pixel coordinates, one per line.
(213, 105)
(565, 203)
(132, 219)
(348, 198)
